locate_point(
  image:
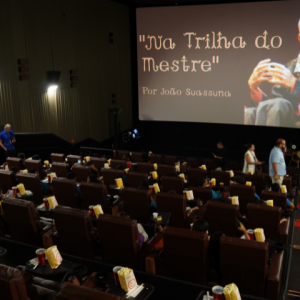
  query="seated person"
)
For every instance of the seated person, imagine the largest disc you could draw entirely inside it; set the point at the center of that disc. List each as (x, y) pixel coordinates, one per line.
(241, 180)
(127, 159)
(276, 188)
(202, 182)
(72, 176)
(143, 236)
(36, 157)
(91, 165)
(93, 178)
(45, 186)
(22, 157)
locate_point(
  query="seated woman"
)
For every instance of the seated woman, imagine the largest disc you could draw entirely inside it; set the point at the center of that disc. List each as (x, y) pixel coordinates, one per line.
(202, 182)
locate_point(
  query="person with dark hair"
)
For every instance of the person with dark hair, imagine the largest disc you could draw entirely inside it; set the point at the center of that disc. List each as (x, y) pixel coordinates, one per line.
(277, 167)
(22, 157)
(91, 165)
(142, 235)
(200, 226)
(45, 186)
(276, 188)
(241, 180)
(14, 170)
(250, 160)
(36, 157)
(145, 186)
(220, 156)
(93, 178)
(127, 159)
(203, 183)
(72, 176)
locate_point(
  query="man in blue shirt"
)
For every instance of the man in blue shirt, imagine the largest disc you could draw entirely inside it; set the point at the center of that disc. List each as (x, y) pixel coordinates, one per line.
(203, 183)
(7, 140)
(277, 167)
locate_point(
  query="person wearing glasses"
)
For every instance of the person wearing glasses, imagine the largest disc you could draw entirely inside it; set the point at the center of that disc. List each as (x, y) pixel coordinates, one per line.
(277, 167)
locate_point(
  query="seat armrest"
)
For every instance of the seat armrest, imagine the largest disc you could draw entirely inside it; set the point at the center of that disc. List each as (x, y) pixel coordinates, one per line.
(274, 276)
(283, 235)
(27, 278)
(147, 249)
(48, 237)
(160, 266)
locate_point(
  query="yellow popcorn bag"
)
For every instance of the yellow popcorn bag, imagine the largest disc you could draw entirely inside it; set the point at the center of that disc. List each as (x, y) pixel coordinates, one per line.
(106, 166)
(53, 256)
(155, 166)
(119, 182)
(30, 158)
(126, 170)
(269, 202)
(52, 202)
(87, 158)
(154, 175)
(98, 210)
(156, 188)
(248, 183)
(181, 176)
(177, 167)
(127, 280)
(52, 175)
(213, 180)
(46, 163)
(235, 200)
(109, 161)
(231, 173)
(231, 292)
(203, 167)
(259, 234)
(189, 195)
(21, 188)
(283, 189)
(24, 171)
(250, 172)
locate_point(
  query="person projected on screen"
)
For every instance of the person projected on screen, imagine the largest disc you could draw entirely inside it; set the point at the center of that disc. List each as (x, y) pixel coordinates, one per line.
(250, 160)
(220, 156)
(283, 107)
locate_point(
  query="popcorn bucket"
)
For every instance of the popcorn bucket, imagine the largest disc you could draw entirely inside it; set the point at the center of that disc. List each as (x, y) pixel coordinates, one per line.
(213, 180)
(235, 200)
(259, 235)
(127, 279)
(249, 183)
(283, 189)
(98, 210)
(53, 256)
(21, 188)
(156, 188)
(231, 292)
(269, 202)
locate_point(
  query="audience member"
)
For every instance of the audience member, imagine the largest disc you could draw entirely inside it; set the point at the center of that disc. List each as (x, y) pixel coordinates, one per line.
(250, 160)
(22, 157)
(127, 159)
(143, 236)
(277, 167)
(7, 140)
(36, 157)
(276, 188)
(202, 182)
(220, 156)
(45, 186)
(93, 178)
(124, 177)
(91, 165)
(145, 186)
(72, 176)
(241, 180)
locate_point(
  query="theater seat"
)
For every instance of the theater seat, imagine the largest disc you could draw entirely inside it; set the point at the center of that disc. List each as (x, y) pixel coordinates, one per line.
(66, 193)
(172, 183)
(82, 172)
(7, 180)
(145, 167)
(137, 157)
(246, 264)
(287, 181)
(23, 221)
(279, 199)
(222, 217)
(156, 159)
(170, 160)
(203, 194)
(210, 164)
(119, 242)
(32, 183)
(134, 179)
(74, 229)
(74, 158)
(174, 204)
(221, 176)
(137, 204)
(99, 162)
(74, 292)
(114, 163)
(60, 168)
(245, 193)
(192, 162)
(258, 181)
(37, 166)
(57, 157)
(109, 175)
(122, 153)
(14, 287)
(185, 255)
(15, 162)
(193, 175)
(163, 170)
(268, 218)
(93, 194)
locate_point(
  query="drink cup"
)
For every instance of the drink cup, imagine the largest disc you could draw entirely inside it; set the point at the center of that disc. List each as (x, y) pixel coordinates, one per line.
(210, 183)
(40, 254)
(191, 225)
(91, 209)
(217, 292)
(116, 276)
(155, 215)
(151, 188)
(251, 234)
(221, 184)
(15, 190)
(46, 203)
(49, 178)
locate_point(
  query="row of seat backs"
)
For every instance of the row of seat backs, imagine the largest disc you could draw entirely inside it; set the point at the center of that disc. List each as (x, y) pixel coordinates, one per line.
(243, 262)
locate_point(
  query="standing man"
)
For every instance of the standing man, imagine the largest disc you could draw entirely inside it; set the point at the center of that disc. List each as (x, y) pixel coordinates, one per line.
(277, 167)
(220, 157)
(7, 140)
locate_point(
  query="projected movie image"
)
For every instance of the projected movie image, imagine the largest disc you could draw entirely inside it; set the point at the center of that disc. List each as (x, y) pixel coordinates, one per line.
(227, 63)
